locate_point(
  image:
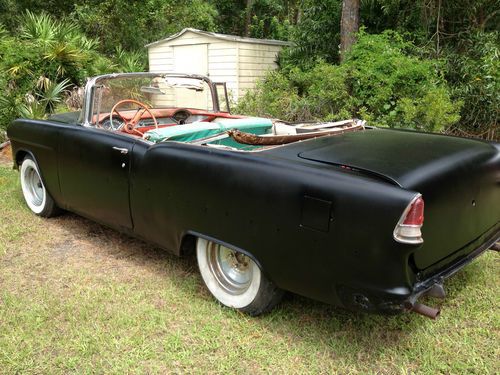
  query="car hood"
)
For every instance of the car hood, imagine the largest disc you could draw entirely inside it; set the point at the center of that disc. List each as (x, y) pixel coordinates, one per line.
(405, 158)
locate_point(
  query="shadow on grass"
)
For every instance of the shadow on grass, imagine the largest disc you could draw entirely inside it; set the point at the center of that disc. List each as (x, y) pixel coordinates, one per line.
(296, 318)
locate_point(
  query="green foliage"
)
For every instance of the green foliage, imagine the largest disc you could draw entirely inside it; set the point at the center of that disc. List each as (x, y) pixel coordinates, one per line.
(270, 28)
(271, 19)
(257, 18)
(397, 89)
(461, 37)
(317, 35)
(276, 96)
(324, 92)
(378, 82)
(474, 72)
(132, 24)
(129, 61)
(56, 8)
(297, 95)
(40, 61)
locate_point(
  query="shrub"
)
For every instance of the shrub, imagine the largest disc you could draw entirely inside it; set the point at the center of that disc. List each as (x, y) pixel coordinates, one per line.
(398, 89)
(275, 96)
(318, 94)
(40, 62)
(324, 92)
(380, 81)
(474, 75)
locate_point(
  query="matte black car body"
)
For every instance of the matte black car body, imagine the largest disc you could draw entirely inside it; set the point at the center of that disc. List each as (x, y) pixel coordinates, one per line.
(317, 216)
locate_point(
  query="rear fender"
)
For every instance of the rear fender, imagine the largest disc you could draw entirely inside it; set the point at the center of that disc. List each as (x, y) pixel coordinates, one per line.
(228, 245)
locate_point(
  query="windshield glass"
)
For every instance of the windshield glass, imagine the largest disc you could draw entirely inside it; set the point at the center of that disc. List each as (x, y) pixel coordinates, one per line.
(155, 91)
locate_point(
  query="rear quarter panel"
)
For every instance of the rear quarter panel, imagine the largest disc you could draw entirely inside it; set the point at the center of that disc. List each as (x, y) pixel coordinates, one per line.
(258, 204)
(462, 204)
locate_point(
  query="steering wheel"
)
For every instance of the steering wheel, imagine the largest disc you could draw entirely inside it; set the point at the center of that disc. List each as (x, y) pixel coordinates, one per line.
(129, 124)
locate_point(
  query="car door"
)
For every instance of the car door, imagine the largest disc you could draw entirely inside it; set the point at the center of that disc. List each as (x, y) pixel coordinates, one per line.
(94, 174)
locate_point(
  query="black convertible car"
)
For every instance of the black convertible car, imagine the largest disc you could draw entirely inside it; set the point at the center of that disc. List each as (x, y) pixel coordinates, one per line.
(332, 211)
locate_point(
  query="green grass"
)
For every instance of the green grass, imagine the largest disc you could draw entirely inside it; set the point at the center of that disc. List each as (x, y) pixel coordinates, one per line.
(76, 297)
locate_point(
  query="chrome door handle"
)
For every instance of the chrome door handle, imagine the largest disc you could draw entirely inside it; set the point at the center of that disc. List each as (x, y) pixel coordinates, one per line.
(123, 151)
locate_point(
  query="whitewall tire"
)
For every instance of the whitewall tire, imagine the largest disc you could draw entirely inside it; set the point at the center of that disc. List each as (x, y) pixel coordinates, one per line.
(35, 194)
(234, 279)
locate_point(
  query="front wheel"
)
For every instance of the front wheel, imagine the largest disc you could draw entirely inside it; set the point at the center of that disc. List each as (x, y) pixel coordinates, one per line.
(35, 194)
(234, 279)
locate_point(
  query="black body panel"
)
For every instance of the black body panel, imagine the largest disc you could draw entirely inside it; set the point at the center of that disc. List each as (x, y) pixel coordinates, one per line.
(458, 179)
(94, 174)
(256, 204)
(316, 228)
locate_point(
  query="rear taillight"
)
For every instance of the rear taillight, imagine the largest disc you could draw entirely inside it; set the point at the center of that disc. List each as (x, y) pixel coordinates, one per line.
(408, 228)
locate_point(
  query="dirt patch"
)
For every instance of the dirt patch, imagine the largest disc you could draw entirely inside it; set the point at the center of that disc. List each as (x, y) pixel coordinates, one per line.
(78, 243)
(65, 248)
(6, 154)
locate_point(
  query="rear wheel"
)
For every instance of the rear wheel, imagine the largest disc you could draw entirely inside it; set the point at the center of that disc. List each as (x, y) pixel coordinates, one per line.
(35, 194)
(234, 279)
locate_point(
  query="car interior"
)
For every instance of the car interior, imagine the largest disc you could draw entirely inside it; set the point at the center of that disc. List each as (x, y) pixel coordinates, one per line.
(218, 130)
(181, 109)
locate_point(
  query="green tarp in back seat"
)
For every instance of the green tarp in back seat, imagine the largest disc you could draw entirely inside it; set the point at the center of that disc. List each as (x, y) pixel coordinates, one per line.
(201, 129)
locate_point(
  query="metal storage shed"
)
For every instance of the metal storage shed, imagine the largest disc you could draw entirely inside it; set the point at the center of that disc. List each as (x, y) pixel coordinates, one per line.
(238, 61)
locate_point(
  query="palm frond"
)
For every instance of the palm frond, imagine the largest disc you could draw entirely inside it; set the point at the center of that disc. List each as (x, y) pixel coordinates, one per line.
(84, 43)
(66, 30)
(34, 110)
(40, 28)
(129, 61)
(42, 83)
(3, 31)
(53, 94)
(20, 69)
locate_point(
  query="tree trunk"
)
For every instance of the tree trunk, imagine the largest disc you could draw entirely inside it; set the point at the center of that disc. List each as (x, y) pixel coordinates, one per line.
(248, 16)
(349, 25)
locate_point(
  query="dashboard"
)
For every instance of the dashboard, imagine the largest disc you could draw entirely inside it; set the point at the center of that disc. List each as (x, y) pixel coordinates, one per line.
(180, 118)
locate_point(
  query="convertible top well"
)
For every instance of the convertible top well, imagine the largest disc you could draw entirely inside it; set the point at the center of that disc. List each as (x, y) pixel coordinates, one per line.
(238, 133)
(202, 129)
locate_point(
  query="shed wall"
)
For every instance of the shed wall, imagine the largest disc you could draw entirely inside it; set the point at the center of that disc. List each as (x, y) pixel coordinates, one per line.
(255, 60)
(239, 64)
(223, 65)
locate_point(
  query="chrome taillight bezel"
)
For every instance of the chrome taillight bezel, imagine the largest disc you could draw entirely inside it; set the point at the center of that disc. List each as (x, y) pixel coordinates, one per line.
(412, 240)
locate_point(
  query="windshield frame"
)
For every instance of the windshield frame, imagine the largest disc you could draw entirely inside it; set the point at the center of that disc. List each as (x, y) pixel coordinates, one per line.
(88, 97)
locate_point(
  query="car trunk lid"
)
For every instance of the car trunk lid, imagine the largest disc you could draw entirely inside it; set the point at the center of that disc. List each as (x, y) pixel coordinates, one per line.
(458, 178)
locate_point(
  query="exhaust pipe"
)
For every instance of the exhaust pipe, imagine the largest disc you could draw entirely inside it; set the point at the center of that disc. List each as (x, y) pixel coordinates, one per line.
(425, 310)
(495, 246)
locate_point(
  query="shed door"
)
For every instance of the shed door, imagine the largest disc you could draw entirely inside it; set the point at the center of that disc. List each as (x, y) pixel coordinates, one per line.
(191, 59)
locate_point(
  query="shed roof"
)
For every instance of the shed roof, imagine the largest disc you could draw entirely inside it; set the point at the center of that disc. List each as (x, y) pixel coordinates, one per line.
(232, 38)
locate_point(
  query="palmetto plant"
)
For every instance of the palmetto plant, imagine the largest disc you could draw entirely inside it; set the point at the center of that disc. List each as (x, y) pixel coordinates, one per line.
(39, 27)
(50, 93)
(63, 47)
(129, 61)
(37, 103)
(41, 62)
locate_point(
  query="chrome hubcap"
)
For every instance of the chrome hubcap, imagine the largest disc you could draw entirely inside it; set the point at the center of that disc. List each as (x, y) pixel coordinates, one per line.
(232, 270)
(34, 186)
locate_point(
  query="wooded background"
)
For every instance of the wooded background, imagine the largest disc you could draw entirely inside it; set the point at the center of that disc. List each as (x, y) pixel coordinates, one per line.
(423, 64)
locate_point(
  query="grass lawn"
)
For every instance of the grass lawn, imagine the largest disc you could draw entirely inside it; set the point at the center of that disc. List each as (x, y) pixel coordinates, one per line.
(76, 297)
